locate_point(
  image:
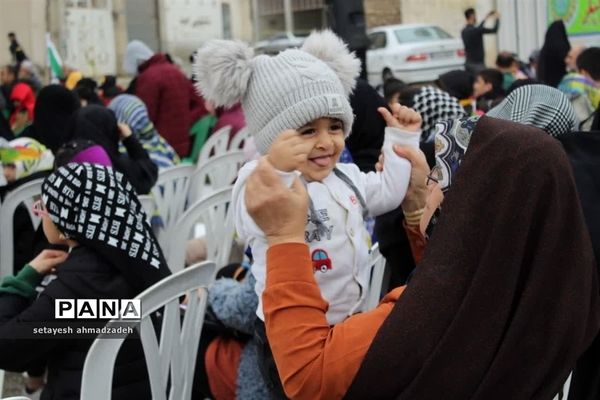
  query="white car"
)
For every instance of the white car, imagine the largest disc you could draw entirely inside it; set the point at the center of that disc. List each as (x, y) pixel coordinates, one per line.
(412, 53)
(279, 42)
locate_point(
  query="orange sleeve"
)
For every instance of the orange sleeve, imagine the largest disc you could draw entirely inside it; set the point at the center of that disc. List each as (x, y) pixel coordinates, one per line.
(314, 360)
(416, 240)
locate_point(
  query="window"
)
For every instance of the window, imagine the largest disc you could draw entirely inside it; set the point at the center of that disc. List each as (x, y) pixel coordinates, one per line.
(421, 34)
(378, 40)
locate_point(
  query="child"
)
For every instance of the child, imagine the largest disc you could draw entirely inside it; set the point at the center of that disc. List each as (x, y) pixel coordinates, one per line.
(487, 89)
(296, 106)
(112, 254)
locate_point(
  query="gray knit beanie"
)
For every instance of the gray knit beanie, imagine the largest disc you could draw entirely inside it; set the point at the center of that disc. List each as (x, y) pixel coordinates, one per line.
(285, 91)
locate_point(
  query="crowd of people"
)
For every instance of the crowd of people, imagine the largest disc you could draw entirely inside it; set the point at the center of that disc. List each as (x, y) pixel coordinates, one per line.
(481, 189)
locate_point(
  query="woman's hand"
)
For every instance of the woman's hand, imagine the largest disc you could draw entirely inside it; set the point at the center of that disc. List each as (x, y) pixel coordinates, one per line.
(124, 131)
(278, 210)
(416, 194)
(47, 260)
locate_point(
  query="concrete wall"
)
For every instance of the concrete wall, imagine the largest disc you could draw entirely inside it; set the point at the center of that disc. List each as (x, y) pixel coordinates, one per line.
(382, 12)
(27, 19)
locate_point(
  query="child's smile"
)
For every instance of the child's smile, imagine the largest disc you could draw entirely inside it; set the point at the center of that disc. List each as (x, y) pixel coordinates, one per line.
(327, 135)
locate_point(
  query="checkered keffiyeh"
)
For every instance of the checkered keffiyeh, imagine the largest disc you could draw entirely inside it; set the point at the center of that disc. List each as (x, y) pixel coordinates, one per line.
(96, 206)
(435, 105)
(541, 106)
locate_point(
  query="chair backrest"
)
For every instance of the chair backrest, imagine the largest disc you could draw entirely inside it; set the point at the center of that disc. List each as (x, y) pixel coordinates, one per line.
(23, 194)
(173, 354)
(215, 145)
(148, 205)
(378, 269)
(216, 173)
(237, 142)
(170, 194)
(215, 213)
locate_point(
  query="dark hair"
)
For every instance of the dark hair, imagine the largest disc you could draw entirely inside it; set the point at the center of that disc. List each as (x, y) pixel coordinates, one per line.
(588, 61)
(469, 12)
(522, 82)
(85, 89)
(12, 34)
(493, 76)
(392, 86)
(505, 59)
(69, 150)
(407, 96)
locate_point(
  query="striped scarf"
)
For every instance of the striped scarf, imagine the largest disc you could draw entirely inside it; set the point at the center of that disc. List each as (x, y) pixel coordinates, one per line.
(132, 111)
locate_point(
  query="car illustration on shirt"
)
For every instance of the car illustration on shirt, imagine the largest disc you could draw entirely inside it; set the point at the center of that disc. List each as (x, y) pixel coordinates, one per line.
(320, 260)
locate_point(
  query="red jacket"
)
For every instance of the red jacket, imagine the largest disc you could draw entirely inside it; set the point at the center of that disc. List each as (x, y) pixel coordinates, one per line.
(23, 98)
(173, 105)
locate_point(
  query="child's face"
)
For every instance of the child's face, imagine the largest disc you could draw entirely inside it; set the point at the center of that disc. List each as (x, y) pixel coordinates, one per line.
(327, 137)
(481, 87)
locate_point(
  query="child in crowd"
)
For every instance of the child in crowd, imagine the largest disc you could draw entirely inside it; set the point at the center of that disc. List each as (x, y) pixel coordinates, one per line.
(487, 89)
(508, 64)
(296, 106)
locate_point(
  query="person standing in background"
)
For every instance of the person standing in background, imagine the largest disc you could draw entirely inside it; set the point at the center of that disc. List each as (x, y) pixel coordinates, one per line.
(16, 51)
(472, 37)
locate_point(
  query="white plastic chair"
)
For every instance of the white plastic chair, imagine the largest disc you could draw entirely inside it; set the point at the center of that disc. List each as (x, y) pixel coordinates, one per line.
(170, 194)
(237, 143)
(173, 355)
(23, 194)
(148, 205)
(216, 173)
(215, 145)
(214, 212)
(377, 273)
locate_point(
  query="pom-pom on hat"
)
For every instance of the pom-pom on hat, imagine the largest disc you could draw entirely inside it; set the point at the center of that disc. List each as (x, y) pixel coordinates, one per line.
(280, 92)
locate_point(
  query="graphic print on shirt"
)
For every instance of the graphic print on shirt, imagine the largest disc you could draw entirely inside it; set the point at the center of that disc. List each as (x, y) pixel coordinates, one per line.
(313, 233)
(320, 260)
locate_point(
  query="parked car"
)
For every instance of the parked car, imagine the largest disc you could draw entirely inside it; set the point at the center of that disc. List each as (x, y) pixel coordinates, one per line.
(412, 52)
(279, 42)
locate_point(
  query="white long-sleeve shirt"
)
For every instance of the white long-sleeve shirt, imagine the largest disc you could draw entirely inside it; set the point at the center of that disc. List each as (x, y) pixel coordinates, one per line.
(340, 253)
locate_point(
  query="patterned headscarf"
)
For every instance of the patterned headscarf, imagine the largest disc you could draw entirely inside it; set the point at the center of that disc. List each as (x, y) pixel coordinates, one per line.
(95, 206)
(38, 158)
(435, 105)
(451, 141)
(541, 106)
(132, 111)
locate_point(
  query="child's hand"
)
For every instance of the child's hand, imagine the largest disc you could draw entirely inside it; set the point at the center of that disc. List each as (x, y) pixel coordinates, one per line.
(401, 117)
(289, 151)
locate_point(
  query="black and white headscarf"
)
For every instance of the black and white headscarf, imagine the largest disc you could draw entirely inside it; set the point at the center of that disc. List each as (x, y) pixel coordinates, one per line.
(96, 206)
(435, 105)
(541, 106)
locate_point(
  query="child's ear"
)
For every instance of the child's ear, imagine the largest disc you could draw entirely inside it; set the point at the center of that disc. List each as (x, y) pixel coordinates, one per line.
(329, 48)
(222, 69)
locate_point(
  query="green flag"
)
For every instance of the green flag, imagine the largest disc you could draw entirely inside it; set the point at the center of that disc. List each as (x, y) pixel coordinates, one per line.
(54, 60)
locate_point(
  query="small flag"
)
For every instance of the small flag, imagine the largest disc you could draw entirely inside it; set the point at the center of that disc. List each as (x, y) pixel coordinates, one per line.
(54, 60)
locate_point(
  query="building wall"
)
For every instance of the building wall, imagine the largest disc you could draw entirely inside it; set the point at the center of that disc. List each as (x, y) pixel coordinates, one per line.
(449, 15)
(27, 19)
(383, 12)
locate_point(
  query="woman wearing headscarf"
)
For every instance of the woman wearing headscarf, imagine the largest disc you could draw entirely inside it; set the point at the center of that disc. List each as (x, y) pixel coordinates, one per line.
(434, 105)
(113, 255)
(23, 101)
(468, 324)
(538, 105)
(551, 63)
(99, 125)
(130, 110)
(53, 108)
(23, 160)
